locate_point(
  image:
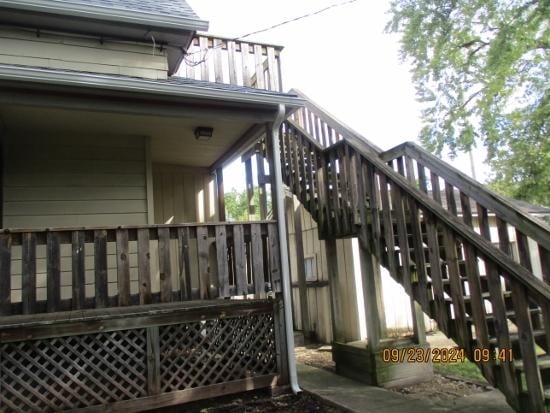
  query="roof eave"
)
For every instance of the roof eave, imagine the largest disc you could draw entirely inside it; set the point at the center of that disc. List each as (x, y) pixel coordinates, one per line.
(107, 14)
(135, 85)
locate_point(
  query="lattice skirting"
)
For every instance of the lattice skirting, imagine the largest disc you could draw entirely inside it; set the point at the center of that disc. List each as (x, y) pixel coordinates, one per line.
(56, 374)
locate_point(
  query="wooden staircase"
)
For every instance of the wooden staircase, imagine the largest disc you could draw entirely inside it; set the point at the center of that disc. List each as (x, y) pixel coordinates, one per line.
(447, 239)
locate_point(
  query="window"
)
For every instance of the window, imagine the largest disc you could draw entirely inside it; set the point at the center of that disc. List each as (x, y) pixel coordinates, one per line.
(310, 264)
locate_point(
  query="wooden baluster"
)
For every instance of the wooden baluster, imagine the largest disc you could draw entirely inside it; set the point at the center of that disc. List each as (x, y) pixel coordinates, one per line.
(274, 257)
(325, 224)
(372, 193)
(203, 44)
(184, 264)
(257, 260)
(318, 132)
(218, 67)
(343, 161)
(302, 195)
(259, 65)
(313, 206)
(203, 257)
(260, 168)
(418, 243)
(476, 298)
(523, 250)
(221, 255)
(527, 346)
(451, 200)
(506, 370)
(53, 272)
(334, 194)
(356, 197)
(144, 266)
(28, 272)
(249, 187)
(436, 189)
(272, 69)
(388, 226)
(100, 268)
(231, 59)
(240, 260)
(5, 274)
(165, 268)
(123, 267)
(245, 55)
(544, 255)
(78, 269)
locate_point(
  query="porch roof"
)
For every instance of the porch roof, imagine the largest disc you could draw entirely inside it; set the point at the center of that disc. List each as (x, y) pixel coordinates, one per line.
(173, 14)
(172, 87)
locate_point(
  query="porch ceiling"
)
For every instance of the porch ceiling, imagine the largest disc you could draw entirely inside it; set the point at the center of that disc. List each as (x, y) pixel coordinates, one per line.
(172, 138)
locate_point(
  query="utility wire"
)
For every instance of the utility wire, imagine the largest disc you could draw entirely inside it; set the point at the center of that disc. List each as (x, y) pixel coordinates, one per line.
(304, 16)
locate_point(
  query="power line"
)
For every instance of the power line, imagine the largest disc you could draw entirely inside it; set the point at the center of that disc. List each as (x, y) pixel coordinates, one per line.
(304, 16)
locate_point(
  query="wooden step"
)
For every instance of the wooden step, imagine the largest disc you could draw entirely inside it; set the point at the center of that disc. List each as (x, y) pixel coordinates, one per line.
(542, 361)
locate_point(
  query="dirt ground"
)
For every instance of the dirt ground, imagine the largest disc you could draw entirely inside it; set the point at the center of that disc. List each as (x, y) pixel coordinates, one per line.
(440, 388)
(258, 402)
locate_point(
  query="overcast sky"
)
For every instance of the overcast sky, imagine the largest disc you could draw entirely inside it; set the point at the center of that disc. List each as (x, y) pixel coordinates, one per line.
(342, 59)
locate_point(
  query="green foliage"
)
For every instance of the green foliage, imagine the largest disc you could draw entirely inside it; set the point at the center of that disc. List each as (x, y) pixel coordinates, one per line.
(482, 71)
(236, 205)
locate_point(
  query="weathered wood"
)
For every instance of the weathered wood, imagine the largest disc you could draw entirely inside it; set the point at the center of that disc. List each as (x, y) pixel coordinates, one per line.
(123, 267)
(220, 194)
(203, 245)
(144, 266)
(527, 345)
(53, 259)
(476, 299)
(506, 371)
(223, 267)
(184, 264)
(100, 268)
(240, 260)
(301, 271)
(218, 67)
(165, 267)
(259, 66)
(205, 73)
(388, 226)
(153, 361)
(247, 77)
(28, 273)
(249, 187)
(5, 274)
(274, 257)
(257, 260)
(78, 269)
(231, 62)
(260, 168)
(336, 305)
(373, 298)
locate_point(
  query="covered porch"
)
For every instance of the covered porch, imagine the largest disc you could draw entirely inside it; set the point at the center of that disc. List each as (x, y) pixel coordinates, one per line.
(121, 282)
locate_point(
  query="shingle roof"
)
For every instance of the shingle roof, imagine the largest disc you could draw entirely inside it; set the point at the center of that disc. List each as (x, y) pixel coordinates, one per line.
(175, 8)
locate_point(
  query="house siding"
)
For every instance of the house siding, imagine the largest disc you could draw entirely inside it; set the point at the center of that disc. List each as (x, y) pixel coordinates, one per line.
(54, 51)
(62, 180)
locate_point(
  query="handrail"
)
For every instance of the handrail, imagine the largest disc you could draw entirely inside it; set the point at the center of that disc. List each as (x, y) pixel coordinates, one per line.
(534, 228)
(517, 271)
(506, 213)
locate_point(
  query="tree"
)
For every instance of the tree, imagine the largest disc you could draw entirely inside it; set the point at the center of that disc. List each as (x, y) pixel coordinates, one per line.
(482, 71)
(236, 205)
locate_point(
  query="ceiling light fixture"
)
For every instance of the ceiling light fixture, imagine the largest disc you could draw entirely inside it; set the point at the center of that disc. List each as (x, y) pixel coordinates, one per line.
(203, 133)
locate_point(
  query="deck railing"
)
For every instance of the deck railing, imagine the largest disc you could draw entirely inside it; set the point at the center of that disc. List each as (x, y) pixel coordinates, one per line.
(235, 62)
(79, 268)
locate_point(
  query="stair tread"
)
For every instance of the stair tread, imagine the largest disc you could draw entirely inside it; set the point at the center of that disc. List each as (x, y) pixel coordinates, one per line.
(542, 361)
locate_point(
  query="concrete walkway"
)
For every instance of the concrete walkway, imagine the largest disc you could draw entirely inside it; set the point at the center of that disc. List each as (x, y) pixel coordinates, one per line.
(360, 398)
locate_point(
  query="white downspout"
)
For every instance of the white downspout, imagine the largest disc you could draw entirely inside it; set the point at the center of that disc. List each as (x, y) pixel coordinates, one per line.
(285, 270)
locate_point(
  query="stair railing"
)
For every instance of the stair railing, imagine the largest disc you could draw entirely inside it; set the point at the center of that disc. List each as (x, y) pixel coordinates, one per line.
(351, 190)
(530, 236)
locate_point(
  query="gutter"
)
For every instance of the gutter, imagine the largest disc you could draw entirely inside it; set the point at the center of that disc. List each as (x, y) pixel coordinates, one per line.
(285, 269)
(138, 85)
(115, 15)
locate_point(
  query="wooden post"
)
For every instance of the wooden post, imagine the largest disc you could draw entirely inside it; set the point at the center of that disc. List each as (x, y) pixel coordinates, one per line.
(221, 195)
(249, 187)
(338, 334)
(301, 271)
(372, 294)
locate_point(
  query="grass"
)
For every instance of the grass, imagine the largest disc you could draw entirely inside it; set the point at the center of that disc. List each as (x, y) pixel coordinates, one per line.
(465, 369)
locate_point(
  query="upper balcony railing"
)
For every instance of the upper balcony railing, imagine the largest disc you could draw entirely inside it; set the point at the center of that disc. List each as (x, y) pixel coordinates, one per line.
(235, 62)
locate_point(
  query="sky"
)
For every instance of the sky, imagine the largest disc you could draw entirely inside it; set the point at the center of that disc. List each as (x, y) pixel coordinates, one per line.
(342, 59)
